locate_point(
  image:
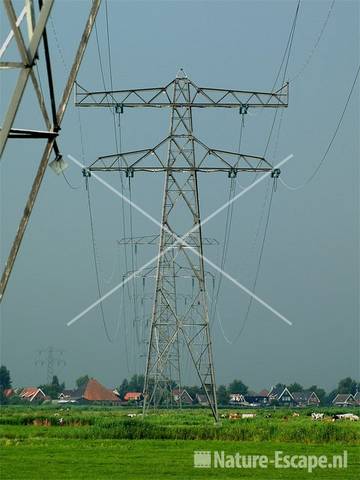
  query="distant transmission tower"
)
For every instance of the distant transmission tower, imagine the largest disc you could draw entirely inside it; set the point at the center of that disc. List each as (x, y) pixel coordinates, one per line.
(50, 357)
(176, 331)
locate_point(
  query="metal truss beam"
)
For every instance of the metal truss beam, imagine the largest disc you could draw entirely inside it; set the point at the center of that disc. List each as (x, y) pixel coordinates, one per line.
(201, 97)
(28, 57)
(51, 142)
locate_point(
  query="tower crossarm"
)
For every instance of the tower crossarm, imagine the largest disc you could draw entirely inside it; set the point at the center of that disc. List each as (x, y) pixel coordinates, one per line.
(208, 160)
(154, 240)
(201, 97)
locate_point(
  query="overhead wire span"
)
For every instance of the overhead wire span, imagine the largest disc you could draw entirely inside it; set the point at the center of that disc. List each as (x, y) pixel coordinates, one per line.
(311, 54)
(238, 335)
(227, 233)
(73, 187)
(99, 55)
(323, 158)
(97, 269)
(284, 61)
(133, 267)
(57, 43)
(118, 145)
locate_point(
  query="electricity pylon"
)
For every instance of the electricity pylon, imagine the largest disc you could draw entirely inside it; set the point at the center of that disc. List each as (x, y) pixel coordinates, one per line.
(28, 51)
(173, 328)
(50, 357)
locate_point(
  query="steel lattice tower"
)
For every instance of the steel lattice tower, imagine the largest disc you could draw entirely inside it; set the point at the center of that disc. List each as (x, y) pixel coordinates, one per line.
(168, 324)
(177, 331)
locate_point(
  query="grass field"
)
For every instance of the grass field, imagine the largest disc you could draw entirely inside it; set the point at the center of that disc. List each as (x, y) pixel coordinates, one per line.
(106, 443)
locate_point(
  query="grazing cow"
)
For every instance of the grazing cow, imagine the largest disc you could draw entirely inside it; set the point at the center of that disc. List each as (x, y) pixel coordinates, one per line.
(131, 415)
(248, 415)
(296, 414)
(234, 416)
(223, 415)
(317, 416)
(268, 415)
(346, 416)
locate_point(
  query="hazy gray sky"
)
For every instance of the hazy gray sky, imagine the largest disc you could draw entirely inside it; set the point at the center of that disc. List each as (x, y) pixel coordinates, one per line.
(310, 264)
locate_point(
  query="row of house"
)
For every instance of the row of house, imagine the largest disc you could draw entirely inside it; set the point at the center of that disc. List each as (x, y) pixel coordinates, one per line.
(93, 392)
(30, 394)
(283, 397)
(275, 396)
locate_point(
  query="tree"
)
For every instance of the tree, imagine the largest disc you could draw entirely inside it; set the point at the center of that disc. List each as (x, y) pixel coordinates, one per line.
(237, 386)
(223, 395)
(347, 385)
(5, 380)
(136, 383)
(83, 380)
(280, 386)
(54, 388)
(3, 399)
(124, 387)
(295, 387)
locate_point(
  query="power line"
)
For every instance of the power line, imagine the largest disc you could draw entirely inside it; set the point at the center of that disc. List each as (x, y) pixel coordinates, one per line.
(99, 56)
(97, 269)
(285, 60)
(298, 187)
(286, 54)
(108, 44)
(258, 266)
(73, 187)
(311, 54)
(117, 140)
(228, 223)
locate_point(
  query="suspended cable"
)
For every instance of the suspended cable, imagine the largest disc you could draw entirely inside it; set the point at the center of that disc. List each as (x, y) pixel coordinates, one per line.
(133, 266)
(112, 111)
(97, 269)
(285, 60)
(117, 133)
(125, 329)
(118, 145)
(99, 56)
(287, 51)
(323, 158)
(227, 233)
(73, 187)
(108, 44)
(311, 54)
(57, 43)
(257, 268)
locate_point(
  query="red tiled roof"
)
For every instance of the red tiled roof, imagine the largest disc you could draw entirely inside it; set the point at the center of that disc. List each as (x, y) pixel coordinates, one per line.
(94, 391)
(132, 395)
(31, 392)
(28, 392)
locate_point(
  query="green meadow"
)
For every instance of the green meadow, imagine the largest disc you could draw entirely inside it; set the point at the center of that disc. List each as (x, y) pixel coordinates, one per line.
(97, 443)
